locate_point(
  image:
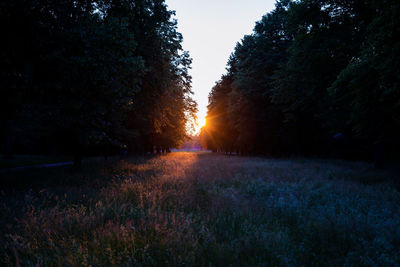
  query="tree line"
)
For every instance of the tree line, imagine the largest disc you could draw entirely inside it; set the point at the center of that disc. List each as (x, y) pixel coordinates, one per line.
(314, 78)
(92, 75)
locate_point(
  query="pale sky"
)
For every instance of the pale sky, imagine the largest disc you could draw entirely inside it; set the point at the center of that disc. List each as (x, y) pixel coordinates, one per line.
(211, 29)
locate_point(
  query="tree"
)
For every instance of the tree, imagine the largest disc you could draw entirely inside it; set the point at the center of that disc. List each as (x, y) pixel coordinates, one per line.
(312, 71)
(368, 88)
(245, 107)
(93, 73)
(327, 34)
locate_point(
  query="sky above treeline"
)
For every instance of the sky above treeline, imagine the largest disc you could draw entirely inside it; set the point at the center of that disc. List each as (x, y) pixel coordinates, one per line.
(211, 29)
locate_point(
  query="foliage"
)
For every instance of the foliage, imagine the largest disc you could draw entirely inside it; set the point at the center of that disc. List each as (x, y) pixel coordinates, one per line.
(368, 88)
(312, 70)
(93, 73)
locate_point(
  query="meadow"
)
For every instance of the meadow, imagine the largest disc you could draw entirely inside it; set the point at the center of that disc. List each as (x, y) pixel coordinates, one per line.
(201, 209)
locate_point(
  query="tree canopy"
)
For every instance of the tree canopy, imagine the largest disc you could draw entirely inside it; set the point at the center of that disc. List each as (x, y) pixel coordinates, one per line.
(314, 78)
(79, 74)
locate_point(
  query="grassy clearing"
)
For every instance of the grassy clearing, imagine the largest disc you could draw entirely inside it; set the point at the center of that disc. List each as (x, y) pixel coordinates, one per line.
(201, 209)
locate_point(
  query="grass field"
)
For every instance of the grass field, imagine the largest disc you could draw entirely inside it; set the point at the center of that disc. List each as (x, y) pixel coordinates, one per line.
(201, 209)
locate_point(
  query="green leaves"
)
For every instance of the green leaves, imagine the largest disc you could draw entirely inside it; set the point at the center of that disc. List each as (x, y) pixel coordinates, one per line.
(107, 71)
(309, 70)
(369, 86)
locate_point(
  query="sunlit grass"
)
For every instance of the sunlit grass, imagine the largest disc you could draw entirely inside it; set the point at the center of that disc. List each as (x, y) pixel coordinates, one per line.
(204, 209)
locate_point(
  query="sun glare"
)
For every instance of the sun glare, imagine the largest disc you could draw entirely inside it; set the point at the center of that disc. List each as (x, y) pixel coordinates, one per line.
(201, 122)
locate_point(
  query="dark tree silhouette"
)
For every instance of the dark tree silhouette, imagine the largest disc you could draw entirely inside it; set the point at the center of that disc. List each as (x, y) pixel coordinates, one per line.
(312, 70)
(80, 74)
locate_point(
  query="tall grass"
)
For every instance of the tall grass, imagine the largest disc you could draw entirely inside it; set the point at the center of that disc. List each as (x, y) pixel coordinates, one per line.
(201, 209)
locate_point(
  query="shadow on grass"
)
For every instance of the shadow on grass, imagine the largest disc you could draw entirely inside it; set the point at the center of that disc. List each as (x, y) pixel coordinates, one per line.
(95, 173)
(30, 160)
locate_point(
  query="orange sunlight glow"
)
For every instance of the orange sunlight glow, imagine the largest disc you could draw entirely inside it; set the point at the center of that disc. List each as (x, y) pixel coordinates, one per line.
(201, 122)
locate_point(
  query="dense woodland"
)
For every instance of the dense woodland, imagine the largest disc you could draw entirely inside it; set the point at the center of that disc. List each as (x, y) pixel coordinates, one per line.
(314, 78)
(92, 76)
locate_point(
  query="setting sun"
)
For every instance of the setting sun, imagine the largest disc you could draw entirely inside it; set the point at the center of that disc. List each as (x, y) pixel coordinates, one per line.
(201, 122)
